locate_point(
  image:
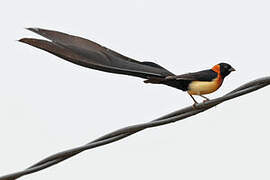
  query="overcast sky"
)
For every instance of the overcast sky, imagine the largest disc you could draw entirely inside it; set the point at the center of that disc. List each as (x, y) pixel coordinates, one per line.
(49, 105)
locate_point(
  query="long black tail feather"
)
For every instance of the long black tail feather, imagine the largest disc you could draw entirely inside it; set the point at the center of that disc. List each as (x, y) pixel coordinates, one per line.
(92, 55)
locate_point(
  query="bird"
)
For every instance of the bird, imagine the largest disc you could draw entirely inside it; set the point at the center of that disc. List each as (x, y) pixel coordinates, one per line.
(89, 54)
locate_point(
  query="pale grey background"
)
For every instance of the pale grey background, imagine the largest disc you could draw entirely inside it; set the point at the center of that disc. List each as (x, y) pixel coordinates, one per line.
(49, 105)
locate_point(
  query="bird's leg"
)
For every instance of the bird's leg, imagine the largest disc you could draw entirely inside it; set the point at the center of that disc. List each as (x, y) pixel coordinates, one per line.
(206, 99)
(195, 102)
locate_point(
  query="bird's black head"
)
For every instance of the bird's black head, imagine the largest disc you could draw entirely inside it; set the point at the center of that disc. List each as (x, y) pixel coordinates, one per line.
(225, 69)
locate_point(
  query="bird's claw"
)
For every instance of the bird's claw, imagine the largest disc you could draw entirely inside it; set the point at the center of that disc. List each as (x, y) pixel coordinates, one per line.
(194, 105)
(204, 101)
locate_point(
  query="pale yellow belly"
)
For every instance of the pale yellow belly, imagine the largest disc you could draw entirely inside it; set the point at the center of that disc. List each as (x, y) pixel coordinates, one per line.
(203, 87)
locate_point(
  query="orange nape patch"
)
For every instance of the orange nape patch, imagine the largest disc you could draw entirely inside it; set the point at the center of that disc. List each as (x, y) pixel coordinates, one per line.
(216, 68)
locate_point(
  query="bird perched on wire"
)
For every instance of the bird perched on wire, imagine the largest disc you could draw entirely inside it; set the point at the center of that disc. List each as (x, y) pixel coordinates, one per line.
(92, 55)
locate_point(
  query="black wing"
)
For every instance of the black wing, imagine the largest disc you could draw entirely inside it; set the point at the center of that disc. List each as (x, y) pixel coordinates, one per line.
(182, 81)
(92, 55)
(205, 75)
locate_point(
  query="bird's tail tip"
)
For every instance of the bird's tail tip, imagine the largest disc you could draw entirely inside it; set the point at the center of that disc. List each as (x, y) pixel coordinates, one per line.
(33, 29)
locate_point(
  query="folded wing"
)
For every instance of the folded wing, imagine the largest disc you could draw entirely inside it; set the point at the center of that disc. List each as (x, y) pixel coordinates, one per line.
(205, 75)
(182, 81)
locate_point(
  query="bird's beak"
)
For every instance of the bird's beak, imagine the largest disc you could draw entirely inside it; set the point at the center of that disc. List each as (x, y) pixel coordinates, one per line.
(232, 69)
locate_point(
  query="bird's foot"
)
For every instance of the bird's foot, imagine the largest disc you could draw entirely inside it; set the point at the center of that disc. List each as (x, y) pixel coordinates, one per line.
(204, 101)
(205, 98)
(194, 105)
